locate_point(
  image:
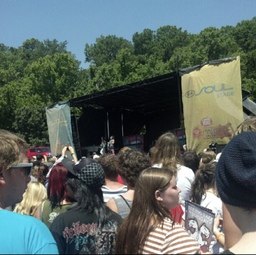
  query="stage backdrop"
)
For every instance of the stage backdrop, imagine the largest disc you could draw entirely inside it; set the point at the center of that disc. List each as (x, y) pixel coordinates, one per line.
(212, 102)
(59, 127)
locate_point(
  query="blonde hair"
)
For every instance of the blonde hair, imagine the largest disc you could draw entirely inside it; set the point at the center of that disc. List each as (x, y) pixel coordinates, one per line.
(34, 195)
(247, 125)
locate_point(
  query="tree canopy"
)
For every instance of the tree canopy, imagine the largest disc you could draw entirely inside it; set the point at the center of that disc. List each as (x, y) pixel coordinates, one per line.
(38, 74)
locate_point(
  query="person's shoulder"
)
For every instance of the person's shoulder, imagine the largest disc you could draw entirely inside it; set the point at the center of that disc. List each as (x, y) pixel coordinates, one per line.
(27, 222)
(213, 197)
(18, 217)
(35, 235)
(30, 220)
(111, 201)
(168, 223)
(66, 214)
(114, 215)
(62, 219)
(185, 170)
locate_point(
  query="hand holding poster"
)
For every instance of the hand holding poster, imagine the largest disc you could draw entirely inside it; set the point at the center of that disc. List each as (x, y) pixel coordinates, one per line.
(199, 224)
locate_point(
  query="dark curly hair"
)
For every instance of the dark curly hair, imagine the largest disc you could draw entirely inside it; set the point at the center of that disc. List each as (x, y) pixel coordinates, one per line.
(130, 164)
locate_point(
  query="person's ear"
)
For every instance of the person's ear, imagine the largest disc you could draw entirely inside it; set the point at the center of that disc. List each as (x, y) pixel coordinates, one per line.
(2, 179)
(158, 196)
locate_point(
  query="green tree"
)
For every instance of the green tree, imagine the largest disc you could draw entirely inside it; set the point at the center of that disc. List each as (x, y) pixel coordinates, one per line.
(143, 42)
(168, 38)
(54, 78)
(245, 34)
(105, 49)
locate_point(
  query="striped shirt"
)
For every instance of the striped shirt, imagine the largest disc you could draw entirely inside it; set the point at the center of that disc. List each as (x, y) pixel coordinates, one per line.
(170, 240)
(109, 193)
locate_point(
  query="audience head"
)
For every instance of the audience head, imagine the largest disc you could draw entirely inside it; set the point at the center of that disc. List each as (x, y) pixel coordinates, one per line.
(56, 189)
(42, 172)
(124, 149)
(152, 189)
(130, 165)
(191, 160)
(87, 173)
(34, 195)
(109, 163)
(39, 157)
(247, 125)
(236, 171)
(84, 182)
(167, 151)
(14, 168)
(235, 179)
(52, 159)
(12, 149)
(204, 179)
(207, 157)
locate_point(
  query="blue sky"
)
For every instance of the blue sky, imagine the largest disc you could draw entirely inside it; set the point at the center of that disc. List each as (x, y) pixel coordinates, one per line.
(82, 21)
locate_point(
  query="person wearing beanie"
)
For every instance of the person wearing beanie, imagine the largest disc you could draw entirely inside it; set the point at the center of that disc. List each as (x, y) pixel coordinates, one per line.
(88, 227)
(236, 185)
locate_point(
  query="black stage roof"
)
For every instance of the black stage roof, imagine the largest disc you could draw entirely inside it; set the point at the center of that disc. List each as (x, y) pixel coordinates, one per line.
(145, 97)
(156, 94)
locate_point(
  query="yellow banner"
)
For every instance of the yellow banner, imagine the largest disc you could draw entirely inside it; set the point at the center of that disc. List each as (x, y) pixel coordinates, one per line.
(212, 104)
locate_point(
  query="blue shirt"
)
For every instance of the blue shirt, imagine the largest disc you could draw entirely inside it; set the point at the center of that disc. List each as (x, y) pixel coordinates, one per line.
(22, 234)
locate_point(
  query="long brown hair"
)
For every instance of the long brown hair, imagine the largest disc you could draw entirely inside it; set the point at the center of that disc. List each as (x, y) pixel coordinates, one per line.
(204, 179)
(167, 151)
(146, 212)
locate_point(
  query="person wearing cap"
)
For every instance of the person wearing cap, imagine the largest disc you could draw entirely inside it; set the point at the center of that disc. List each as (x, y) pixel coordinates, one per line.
(236, 185)
(19, 234)
(88, 226)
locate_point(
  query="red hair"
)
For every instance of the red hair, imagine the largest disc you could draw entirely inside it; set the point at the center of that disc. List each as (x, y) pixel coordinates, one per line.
(56, 189)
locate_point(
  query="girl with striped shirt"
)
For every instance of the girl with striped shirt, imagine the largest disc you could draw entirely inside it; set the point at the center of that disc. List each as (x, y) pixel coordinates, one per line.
(149, 227)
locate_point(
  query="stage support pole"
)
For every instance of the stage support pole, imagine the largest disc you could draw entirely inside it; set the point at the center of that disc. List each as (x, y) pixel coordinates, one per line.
(107, 127)
(122, 123)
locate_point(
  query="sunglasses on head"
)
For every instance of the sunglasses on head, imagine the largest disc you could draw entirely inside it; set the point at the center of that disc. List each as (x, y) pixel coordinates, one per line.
(26, 166)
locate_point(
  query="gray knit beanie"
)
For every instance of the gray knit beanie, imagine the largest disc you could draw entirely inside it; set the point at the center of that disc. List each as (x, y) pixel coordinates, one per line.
(236, 171)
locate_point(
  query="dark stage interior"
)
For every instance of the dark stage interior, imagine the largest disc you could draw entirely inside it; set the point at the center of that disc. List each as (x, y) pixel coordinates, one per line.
(152, 107)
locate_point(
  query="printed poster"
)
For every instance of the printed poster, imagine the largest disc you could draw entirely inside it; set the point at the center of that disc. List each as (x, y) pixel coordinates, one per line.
(212, 103)
(199, 224)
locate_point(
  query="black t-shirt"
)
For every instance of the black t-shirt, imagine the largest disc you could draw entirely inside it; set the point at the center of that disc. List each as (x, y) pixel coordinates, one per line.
(78, 232)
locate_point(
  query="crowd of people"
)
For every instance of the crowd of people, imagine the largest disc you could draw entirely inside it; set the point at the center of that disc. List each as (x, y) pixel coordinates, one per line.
(128, 202)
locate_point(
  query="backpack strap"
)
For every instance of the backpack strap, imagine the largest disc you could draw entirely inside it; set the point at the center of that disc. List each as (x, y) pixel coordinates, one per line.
(125, 201)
